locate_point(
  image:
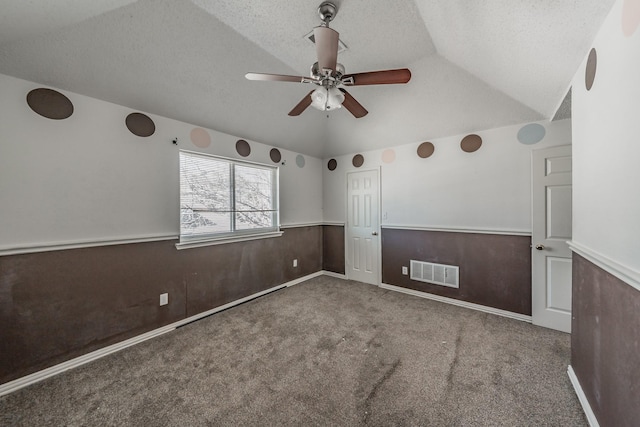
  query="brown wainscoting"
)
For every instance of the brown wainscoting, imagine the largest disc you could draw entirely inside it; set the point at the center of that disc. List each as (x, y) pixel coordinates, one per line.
(605, 343)
(333, 248)
(58, 305)
(220, 274)
(495, 270)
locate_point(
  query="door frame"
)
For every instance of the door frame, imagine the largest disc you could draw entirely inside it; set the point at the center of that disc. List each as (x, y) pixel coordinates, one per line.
(378, 258)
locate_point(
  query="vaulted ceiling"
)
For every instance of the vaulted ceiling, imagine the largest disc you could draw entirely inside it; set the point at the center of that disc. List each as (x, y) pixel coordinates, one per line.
(475, 64)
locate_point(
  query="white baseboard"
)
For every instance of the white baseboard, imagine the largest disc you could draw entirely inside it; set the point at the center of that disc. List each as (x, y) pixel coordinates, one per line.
(465, 304)
(303, 279)
(336, 275)
(316, 274)
(591, 417)
(25, 381)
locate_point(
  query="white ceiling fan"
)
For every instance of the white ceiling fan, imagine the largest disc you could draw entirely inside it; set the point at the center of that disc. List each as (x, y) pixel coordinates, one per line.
(330, 75)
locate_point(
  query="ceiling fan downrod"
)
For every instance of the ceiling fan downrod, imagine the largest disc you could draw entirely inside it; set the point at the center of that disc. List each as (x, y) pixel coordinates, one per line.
(327, 12)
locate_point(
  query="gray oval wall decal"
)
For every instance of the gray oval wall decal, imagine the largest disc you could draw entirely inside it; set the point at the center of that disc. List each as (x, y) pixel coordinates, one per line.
(590, 71)
(50, 103)
(358, 160)
(332, 164)
(275, 155)
(425, 150)
(140, 124)
(471, 143)
(531, 133)
(300, 160)
(243, 148)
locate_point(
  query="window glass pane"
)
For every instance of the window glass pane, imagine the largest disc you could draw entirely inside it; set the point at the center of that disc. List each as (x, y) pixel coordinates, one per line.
(255, 197)
(220, 197)
(205, 195)
(254, 219)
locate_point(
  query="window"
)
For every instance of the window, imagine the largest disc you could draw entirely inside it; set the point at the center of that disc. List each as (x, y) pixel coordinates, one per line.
(223, 199)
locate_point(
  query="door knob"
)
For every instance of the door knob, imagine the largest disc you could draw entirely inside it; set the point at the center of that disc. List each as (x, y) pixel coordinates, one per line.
(375, 233)
(539, 247)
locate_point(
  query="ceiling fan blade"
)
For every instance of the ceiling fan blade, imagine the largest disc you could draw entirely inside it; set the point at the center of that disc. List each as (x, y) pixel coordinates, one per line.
(385, 77)
(352, 105)
(302, 105)
(326, 47)
(276, 78)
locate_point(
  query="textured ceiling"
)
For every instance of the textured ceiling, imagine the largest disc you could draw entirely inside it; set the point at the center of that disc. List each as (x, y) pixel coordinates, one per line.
(19, 19)
(377, 36)
(475, 65)
(527, 49)
(564, 110)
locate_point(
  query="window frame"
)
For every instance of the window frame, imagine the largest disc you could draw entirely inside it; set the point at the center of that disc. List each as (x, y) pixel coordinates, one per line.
(234, 235)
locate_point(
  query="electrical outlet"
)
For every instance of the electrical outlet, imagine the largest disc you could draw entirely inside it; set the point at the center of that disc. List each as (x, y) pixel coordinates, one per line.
(164, 299)
(405, 270)
(295, 262)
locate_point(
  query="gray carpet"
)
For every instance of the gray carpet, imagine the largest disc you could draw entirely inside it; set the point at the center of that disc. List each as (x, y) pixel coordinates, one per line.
(325, 352)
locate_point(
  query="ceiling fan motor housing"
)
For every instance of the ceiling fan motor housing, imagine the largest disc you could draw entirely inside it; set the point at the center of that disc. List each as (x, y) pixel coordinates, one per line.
(315, 71)
(327, 12)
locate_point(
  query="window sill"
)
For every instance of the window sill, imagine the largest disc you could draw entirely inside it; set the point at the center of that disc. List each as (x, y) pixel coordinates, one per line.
(225, 240)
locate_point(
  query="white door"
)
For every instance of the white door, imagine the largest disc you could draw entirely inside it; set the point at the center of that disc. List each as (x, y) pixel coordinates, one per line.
(551, 256)
(362, 233)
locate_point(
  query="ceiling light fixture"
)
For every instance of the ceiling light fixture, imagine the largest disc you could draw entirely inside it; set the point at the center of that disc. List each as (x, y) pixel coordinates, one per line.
(327, 98)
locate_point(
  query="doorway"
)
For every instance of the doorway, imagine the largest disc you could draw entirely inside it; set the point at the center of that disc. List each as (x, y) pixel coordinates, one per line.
(363, 227)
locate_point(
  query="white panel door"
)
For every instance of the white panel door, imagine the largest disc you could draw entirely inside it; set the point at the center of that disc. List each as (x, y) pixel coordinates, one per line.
(551, 256)
(362, 227)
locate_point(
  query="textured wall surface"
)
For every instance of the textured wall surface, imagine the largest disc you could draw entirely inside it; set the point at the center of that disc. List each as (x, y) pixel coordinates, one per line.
(333, 248)
(495, 270)
(58, 305)
(605, 343)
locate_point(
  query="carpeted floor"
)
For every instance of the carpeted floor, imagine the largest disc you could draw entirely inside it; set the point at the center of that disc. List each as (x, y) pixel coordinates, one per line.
(325, 352)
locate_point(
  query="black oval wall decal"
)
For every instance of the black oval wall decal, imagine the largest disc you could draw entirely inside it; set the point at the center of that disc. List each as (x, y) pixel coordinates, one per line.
(358, 160)
(471, 143)
(590, 71)
(425, 150)
(243, 148)
(140, 124)
(275, 155)
(332, 165)
(50, 103)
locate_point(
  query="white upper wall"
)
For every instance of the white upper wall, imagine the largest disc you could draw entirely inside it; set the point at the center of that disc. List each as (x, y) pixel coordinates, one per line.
(88, 178)
(489, 189)
(606, 136)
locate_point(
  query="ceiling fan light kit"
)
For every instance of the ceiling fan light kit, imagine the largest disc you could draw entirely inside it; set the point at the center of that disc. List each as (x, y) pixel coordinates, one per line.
(330, 75)
(327, 98)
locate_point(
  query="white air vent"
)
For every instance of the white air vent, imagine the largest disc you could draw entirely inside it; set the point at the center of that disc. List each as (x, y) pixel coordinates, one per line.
(438, 274)
(341, 46)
